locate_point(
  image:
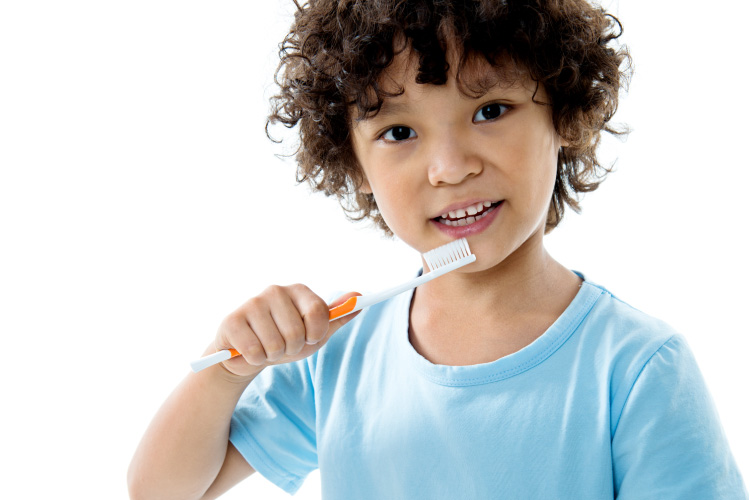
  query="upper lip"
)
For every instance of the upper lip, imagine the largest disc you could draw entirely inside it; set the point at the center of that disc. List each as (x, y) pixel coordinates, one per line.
(462, 205)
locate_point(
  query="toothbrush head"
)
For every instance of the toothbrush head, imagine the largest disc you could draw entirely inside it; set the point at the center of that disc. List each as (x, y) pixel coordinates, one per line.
(450, 254)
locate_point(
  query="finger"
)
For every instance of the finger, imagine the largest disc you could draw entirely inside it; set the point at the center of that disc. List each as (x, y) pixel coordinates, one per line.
(288, 320)
(262, 323)
(235, 333)
(313, 312)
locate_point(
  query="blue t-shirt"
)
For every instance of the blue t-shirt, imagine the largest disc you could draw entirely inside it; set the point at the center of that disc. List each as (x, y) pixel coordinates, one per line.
(607, 403)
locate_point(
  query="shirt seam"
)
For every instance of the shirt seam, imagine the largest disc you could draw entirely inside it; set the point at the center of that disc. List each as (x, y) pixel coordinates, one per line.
(289, 481)
(531, 363)
(635, 380)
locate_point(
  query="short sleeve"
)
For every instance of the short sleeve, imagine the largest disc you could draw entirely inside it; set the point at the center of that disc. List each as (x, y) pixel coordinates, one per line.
(273, 425)
(668, 442)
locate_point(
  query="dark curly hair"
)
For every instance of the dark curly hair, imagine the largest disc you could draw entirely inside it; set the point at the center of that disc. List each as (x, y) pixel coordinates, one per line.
(337, 50)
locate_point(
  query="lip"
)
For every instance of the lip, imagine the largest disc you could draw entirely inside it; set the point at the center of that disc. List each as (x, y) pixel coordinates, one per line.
(477, 227)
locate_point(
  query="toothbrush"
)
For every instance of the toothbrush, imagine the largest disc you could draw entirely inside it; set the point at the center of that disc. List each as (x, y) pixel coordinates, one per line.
(440, 261)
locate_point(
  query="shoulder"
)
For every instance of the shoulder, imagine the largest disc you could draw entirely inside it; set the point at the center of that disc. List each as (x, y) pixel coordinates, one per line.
(624, 329)
(629, 344)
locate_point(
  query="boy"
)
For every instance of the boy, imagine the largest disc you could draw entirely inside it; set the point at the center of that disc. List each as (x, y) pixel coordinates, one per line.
(512, 377)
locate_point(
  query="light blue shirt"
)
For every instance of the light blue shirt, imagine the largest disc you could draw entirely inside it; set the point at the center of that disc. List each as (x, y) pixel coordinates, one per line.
(607, 403)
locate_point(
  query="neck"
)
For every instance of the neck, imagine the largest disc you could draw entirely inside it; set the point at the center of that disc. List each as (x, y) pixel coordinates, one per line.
(474, 317)
(529, 281)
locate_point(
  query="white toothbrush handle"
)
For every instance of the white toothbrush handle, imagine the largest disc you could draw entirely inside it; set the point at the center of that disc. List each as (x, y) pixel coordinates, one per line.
(210, 360)
(441, 260)
(354, 304)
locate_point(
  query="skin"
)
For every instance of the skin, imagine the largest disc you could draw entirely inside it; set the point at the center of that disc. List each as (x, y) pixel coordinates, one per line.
(185, 452)
(444, 153)
(433, 147)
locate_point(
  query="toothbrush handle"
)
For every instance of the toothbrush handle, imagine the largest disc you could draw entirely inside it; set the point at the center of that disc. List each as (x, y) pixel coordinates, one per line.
(353, 304)
(225, 354)
(213, 359)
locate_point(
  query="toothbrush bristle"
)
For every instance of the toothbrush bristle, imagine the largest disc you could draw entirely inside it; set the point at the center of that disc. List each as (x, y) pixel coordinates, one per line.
(446, 254)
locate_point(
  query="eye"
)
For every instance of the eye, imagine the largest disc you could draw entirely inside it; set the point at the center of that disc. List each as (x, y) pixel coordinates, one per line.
(399, 133)
(490, 112)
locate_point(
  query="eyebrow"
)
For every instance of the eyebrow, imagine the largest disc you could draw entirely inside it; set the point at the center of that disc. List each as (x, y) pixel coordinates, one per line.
(387, 109)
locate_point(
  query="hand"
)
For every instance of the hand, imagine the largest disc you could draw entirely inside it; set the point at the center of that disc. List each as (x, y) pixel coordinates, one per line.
(281, 325)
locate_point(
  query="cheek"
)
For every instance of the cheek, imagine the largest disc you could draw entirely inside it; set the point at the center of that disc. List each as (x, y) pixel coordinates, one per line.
(394, 198)
(390, 202)
(535, 174)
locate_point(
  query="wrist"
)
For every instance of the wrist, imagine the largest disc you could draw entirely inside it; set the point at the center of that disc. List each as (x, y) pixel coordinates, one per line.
(232, 378)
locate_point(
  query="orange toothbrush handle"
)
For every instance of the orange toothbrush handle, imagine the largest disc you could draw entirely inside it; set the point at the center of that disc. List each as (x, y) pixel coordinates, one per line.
(333, 313)
(342, 309)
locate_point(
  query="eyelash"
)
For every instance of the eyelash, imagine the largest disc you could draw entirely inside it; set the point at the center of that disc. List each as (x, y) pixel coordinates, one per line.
(504, 109)
(412, 134)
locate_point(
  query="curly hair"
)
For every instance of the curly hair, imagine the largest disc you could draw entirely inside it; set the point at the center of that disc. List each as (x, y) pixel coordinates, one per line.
(336, 51)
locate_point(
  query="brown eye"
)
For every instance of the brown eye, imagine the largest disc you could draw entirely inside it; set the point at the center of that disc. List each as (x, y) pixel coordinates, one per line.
(490, 112)
(399, 133)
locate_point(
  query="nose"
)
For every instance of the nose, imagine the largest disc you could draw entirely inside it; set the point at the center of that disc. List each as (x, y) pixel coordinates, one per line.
(452, 162)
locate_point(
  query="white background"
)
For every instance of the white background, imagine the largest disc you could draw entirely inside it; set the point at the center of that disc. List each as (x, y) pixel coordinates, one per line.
(140, 202)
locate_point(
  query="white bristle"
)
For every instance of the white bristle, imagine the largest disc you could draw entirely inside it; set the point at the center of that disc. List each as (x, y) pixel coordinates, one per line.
(446, 254)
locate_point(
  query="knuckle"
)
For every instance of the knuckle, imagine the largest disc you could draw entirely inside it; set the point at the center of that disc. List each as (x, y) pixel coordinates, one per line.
(299, 288)
(274, 291)
(253, 304)
(316, 310)
(233, 323)
(274, 349)
(253, 353)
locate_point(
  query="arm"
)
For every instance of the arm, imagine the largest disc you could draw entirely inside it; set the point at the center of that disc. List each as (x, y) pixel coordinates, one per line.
(185, 452)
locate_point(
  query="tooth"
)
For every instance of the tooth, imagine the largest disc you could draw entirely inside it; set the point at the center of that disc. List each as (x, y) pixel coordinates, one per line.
(472, 210)
(480, 207)
(444, 216)
(471, 220)
(487, 204)
(452, 214)
(460, 213)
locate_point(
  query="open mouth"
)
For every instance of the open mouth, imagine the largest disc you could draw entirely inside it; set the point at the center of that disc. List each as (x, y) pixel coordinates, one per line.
(468, 215)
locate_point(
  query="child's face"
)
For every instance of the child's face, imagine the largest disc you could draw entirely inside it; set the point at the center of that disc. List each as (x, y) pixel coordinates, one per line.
(434, 151)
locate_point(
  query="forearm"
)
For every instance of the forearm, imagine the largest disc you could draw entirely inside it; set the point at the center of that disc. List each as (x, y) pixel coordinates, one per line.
(185, 445)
